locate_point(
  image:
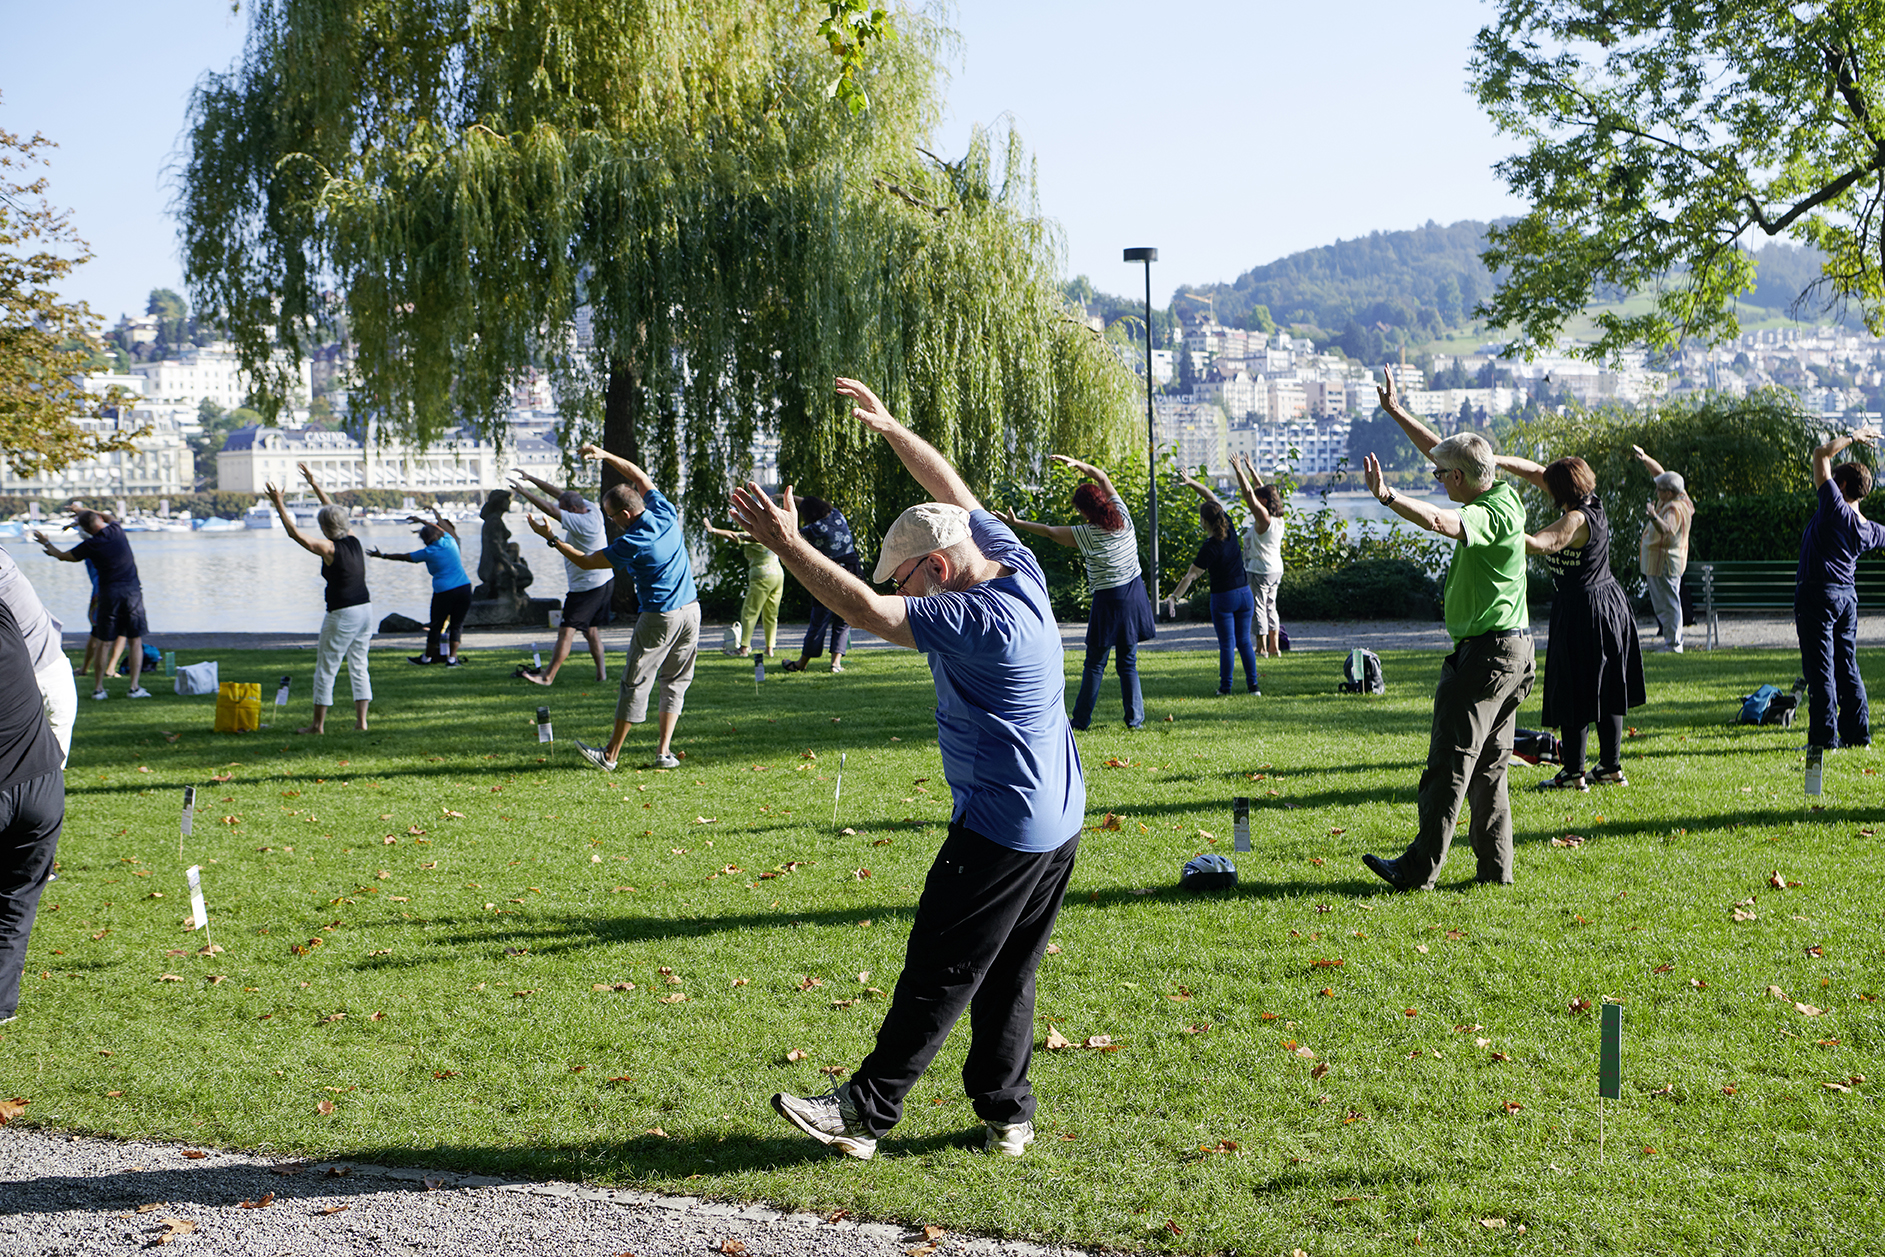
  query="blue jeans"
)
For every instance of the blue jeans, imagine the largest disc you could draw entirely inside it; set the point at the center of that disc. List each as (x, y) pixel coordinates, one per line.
(1095, 672)
(1826, 618)
(1230, 616)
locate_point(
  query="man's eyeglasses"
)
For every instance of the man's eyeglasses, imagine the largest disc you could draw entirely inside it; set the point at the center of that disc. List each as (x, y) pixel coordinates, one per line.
(1441, 473)
(898, 587)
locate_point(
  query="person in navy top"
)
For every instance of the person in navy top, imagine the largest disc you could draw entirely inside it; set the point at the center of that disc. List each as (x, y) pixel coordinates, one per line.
(652, 552)
(451, 588)
(120, 619)
(1825, 601)
(971, 597)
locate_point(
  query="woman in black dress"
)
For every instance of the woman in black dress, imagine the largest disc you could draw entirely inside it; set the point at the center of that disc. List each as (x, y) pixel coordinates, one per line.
(1593, 664)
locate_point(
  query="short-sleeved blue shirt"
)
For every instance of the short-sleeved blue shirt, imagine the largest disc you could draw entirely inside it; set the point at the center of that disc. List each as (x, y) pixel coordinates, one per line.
(442, 559)
(653, 553)
(1834, 539)
(1001, 721)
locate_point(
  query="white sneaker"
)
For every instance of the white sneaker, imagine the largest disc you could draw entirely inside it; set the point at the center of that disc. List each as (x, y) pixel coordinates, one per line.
(139, 692)
(98, 696)
(667, 761)
(829, 1119)
(595, 755)
(1008, 1138)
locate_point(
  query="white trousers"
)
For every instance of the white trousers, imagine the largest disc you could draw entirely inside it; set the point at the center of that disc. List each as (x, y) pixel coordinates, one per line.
(344, 635)
(61, 695)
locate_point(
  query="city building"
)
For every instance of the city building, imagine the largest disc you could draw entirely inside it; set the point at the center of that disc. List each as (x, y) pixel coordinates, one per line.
(458, 462)
(213, 373)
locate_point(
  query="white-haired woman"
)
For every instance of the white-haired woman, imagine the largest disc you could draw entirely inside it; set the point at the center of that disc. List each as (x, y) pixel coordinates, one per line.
(348, 626)
(1664, 552)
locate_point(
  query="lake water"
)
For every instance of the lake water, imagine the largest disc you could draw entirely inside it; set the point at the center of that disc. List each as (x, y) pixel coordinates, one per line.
(258, 580)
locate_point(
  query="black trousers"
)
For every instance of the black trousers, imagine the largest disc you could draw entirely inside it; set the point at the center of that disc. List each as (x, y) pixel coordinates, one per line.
(31, 815)
(447, 604)
(981, 929)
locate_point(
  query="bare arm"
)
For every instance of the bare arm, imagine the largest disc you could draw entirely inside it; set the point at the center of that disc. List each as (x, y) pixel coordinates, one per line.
(1523, 468)
(54, 552)
(1822, 458)
(1202, 489)
(637, 479)
(1446, 523)
(376, 553)
(1245, 486)
(730, 534)
(1569, 529)
(1053, 532)
(314, 484)
(774, 525)
(551, 489)
(1650, 465)
(313, 545)
(595, 560)
(1095, 474)
(929, 468)
(1192, 573)
(547, 506)
(1423, 437)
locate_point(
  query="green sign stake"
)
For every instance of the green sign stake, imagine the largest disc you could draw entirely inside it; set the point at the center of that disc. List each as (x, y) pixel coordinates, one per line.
(1610, 1057)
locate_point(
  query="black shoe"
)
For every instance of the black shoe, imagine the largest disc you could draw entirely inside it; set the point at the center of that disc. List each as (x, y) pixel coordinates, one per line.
(1224, 692)
(454, 662)
(1388, 871)
(421, 660)
(1256, 691)
(1565, 780)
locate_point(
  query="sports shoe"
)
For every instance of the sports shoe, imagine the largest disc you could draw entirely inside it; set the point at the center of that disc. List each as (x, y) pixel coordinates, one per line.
(1609, 777)
(595, 755)
(421, 660)
(829, 1119)
(454, 662)
(733, 652)
(1565, 780)
(139, 692)
(1672, 648)
(667, 761)
(836, 666)
(98, 696)
(1008, 1138)
(1223, 691)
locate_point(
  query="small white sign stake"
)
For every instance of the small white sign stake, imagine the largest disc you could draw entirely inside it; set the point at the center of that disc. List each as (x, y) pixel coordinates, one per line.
(544, 733)
(195, 874)
(839, 792)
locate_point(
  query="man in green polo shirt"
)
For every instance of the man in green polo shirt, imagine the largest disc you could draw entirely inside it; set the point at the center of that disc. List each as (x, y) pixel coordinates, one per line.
(1489, 673)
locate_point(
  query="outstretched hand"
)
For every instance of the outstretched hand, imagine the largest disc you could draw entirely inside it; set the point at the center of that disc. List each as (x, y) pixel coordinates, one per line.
(589, 452)
(1010, 518)
(1639, 453)
(1867, 434)
(1069, 461)
(273, 490)
(539, 526)
(769, 523)
(1390, 399)
(1371, 473)
(869, 409)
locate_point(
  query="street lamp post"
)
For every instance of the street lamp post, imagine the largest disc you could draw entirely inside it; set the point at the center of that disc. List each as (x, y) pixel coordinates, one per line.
(1149, 256)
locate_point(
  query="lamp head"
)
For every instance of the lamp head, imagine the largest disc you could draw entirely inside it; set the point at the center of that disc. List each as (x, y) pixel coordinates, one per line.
(1141, 255)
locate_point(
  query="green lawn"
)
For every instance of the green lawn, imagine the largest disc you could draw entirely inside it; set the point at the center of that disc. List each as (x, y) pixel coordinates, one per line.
(415, 924)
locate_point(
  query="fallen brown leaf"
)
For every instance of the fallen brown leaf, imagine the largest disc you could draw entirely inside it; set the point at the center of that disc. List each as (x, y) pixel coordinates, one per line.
(324, 1107)
(174, 1228)
(1056, 1041)
(192, 1154)
(797, 1054)
(268, 1198)
(10, 1109)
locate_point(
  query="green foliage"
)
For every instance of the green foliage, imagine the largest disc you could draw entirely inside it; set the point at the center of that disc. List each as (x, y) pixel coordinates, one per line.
(471, 177)
(1379, 435)
(1660, 137)
(1366, 589)
(1765, 526)
(474, 1038)
(849, 28)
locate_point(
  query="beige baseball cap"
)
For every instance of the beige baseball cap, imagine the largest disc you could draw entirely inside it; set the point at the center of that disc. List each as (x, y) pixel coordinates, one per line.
(925, 527)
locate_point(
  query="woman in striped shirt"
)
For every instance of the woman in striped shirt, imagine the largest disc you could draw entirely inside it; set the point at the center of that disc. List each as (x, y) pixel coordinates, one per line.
(1121, 616)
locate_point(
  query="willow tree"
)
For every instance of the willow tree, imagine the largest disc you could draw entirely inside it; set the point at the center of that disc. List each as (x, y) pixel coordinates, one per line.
(459, 181)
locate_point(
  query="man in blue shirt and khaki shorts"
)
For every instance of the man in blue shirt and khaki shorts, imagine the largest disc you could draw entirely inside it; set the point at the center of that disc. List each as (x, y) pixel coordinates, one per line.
(968, 594)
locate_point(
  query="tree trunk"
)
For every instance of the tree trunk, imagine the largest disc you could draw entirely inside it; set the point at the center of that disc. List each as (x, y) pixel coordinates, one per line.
(621, 420)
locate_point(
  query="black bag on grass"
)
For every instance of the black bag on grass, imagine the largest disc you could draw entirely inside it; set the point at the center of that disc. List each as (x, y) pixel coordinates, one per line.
(1536, 746)
(1361, 673)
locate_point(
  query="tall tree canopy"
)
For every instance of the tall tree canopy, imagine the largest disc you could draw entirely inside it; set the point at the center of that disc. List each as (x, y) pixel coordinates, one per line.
(467, 177)
(1664, 136)
(45, 344)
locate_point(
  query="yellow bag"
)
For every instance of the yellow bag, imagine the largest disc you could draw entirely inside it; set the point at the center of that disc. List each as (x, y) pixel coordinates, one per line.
(239, 707)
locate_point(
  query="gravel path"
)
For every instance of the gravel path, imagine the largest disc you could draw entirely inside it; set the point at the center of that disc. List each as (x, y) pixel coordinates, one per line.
(66, 1195)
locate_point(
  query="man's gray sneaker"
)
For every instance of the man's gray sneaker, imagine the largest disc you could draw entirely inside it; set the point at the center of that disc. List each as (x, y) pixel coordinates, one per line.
(1008, 1138)
(666, 761)
(595, 755)
(829, 1119)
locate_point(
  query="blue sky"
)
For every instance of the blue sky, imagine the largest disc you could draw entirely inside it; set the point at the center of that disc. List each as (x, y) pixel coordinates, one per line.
(1225, 134)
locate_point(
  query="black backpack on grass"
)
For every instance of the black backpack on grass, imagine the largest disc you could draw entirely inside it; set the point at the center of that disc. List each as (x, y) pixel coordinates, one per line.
(1361, 673)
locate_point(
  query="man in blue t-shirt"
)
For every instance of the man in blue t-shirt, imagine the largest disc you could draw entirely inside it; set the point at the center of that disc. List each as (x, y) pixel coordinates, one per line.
(652, 552)
(1826, 602)
(974, 600)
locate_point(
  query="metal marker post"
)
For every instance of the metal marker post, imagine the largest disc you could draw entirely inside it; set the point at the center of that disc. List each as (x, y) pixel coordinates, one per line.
(1609, 1066)
(838, 793)
(1149, 256)
(189, 814)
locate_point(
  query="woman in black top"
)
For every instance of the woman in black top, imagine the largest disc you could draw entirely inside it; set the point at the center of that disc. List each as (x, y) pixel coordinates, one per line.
(1222, 557)
(348, 626)
(1593, 664)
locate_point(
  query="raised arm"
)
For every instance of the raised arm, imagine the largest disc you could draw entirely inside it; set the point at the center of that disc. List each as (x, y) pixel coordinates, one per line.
(1053, 532)
(554, 490)
(313, 545)
(546, 505)
(1198, 487)
(595, 560)
(1095, 474)
(1423, 437)
(774, 525)
(1822, 458)
(1523, 468)
(1446, 523)
(637, 479)
(374, 552)
(54, 552)
(1248, 482)
(730, 534)
(929, 468)
(315, 485)
(446, 525)
(1650, 465)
